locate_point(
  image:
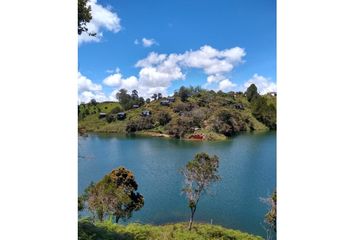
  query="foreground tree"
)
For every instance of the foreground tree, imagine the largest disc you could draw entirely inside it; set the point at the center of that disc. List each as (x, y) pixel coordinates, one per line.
(270, 219)
(84, 16)
(199, 174)
(116, 194)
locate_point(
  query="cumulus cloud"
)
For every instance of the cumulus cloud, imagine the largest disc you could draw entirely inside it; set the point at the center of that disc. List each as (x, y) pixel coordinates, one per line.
(159, 70)
(88, 90)
(102, 18)
(116, 80)
(264, 85)
(226, 85)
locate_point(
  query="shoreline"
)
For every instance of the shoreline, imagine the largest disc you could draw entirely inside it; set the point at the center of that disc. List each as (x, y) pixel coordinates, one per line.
(167, 136)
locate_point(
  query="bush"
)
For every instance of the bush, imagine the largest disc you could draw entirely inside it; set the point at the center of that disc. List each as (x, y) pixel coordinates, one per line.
(110, 118)
(116, 110)
(163, 118)
(139, 124)
(228, 122)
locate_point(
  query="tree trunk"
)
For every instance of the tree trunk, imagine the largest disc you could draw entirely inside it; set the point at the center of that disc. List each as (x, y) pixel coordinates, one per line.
(117, 219)
(191, 218)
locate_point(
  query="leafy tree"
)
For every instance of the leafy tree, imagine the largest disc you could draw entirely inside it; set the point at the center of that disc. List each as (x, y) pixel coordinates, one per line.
(159, 95)
(84, 17)
(270, 218)
(228, 122)
(163, 118)
(93, 102)
(110, 117)
(184, 93)
(135, 94)
(116, 194)
(139, 124)
(148, 100)
(124, 98)
(251, 92)
(154, 96)
(264, 112)
(199, 174)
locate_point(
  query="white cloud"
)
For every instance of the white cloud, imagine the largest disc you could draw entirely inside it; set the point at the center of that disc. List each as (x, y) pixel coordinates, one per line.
(136, 42)
(88, 90)
(102, 18)
(215, 78)
(85, 84)
(226, 85)
(117, 80)
(158, 71)
(148, 42)
(264, 85)
(213, 61)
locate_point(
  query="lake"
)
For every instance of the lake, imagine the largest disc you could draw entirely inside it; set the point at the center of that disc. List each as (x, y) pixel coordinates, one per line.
(247, 168)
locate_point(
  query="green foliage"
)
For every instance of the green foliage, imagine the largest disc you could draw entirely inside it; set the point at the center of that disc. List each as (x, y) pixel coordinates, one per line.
(139, 124)
(127, 100)
(251, 92)
(163, 118)
(84, 17)
(116, 194)
(199, 174)
(178, 231)
(215, 115)
(271, 215)
(110, 118)
(229, 122)
(264, 112)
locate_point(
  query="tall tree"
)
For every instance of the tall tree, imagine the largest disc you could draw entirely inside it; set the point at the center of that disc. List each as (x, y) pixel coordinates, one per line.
(199, 174)
(251, 92)
(84, 16)
(124, 98)
(154, 96)
(135, 94)
(159, 95)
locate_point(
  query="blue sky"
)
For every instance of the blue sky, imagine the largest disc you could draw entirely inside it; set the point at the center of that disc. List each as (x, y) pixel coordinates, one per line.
(159, 45)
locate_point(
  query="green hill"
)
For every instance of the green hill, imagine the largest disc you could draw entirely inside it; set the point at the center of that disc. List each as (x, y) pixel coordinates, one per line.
(134, 231)
(206, 115)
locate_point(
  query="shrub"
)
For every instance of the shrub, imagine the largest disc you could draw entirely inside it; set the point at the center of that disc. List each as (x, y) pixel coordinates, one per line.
(139, 124)
(110, 118)
(163, 118)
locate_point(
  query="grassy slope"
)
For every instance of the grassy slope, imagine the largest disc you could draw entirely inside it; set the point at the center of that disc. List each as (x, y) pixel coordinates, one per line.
(92, 123)
(109, 231)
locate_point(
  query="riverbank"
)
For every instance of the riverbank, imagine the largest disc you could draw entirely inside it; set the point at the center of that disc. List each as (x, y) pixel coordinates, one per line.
(109, 231)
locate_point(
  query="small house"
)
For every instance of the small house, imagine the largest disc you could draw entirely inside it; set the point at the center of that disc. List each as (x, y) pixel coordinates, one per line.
(121, 115)
(135, 106)
(102, 115)
(146, 113)
(171, 99)
(239, 106)
(165, 103)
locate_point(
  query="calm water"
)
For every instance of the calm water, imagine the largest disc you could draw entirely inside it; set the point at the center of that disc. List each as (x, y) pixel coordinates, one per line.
(247, 168)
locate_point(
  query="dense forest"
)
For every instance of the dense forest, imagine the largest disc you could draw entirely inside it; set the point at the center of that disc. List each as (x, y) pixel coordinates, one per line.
(191, 113)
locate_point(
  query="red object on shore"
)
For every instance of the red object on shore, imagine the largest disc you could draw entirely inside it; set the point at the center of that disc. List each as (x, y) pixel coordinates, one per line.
(197, 136)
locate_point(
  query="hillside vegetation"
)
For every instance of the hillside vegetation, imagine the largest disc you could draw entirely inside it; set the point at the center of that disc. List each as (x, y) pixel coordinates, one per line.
(109, 231)
(194, 113)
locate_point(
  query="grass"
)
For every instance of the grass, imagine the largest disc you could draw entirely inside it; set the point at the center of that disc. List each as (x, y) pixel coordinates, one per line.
(134, 231)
